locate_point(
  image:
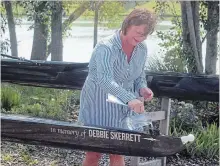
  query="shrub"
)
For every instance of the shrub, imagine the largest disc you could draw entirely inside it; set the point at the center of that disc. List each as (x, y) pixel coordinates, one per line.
(9, 98)
(206, 142)
(184, 116)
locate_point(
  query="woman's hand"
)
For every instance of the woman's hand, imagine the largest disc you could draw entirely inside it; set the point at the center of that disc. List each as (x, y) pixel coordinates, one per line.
(136, 105)
(146, 93)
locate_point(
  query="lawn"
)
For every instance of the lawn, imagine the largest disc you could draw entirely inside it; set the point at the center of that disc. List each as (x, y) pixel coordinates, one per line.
(171, 7)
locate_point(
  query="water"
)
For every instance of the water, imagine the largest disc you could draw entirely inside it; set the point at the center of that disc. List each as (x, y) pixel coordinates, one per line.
(78, 47)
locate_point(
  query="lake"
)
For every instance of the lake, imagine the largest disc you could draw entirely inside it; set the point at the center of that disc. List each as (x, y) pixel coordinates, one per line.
(78, 47)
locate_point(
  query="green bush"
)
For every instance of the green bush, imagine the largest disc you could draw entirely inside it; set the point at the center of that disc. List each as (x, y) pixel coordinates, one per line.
(206, 142)
(9, 98)
(184, 115)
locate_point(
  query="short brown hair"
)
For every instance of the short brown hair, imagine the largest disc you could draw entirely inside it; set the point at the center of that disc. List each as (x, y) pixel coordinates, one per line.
(139, 17)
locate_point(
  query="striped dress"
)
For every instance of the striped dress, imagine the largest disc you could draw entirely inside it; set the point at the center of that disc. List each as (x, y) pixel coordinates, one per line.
(110, 73)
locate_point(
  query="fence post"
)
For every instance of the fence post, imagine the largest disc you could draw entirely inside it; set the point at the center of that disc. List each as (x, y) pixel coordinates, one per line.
(164, 124)
(164, 129)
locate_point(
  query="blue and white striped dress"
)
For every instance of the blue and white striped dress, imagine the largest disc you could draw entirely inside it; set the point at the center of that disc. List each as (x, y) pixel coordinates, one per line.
(110, 72)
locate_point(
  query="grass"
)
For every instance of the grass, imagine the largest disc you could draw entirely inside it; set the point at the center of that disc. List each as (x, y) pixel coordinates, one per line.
(7, 157)
(88, 15)
(206, 143)
(172, 4)
(38, 101)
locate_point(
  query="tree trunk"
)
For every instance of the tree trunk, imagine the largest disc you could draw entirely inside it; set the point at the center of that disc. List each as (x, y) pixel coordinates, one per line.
(39, 48)
(195, 5)
(191, 27)
(96, 19)
(187, 49)
(76, 14)
(212, 32)
(56, 33)
(11, 27)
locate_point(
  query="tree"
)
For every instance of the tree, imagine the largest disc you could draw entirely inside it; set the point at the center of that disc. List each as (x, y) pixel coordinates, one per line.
(48, 22)
(96, 19)
(41, 12)
(56, 32)
(191, 35)
(96, 7)
(211, 26)
(11, 27)
(107, 11)
(39, 47)
(184, 41)
(171, 44)
(73, 16)
(210, 20)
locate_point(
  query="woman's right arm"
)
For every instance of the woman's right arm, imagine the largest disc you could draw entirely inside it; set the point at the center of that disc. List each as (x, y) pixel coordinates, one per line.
(105, 64)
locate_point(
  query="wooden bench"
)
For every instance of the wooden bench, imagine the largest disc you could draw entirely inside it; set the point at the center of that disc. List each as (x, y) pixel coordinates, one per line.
(163, 116)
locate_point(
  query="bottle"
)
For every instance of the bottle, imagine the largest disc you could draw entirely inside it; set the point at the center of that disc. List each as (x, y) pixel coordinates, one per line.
(135, 122)
(138, 122)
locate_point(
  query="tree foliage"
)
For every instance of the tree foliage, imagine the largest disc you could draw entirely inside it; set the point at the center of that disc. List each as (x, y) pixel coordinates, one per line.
(42, 15)
(182, 49)
(4, 42)
(171, 40)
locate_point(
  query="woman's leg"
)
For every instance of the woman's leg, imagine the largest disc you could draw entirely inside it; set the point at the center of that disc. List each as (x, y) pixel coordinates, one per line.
(91, 159)
(116, 160)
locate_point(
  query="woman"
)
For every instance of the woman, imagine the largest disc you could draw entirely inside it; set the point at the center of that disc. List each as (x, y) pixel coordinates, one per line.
(117, 68)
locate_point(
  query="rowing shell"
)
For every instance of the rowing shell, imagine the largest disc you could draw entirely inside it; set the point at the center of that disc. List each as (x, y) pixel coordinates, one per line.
(47, 132)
